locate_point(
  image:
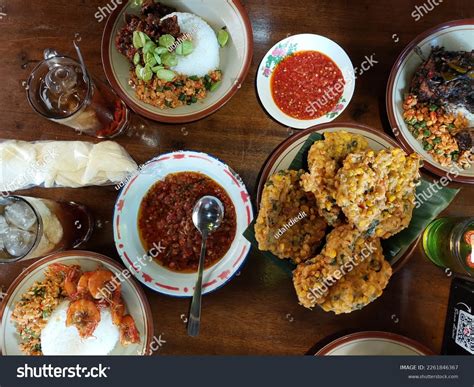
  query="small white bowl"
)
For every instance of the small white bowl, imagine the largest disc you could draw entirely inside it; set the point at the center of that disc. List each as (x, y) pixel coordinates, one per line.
(127, 238)
(288, 46)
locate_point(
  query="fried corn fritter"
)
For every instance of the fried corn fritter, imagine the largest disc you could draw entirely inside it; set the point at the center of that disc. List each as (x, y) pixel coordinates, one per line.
(373, 187)
(288, 224)
(324, 159)
(396, 218)
(362, 285)
(349, 273)
(342, 245)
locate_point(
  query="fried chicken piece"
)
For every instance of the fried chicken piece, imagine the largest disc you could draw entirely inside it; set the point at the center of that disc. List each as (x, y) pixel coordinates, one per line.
(349, 273)
(288, 224)
(324, 159)
(371, 186)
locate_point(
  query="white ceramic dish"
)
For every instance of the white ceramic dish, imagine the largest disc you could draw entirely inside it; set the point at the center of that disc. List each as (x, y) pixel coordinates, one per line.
(374, 344)
(135, 300)
(235, 57)
(126, 234)
(453, 36)
(288, 46)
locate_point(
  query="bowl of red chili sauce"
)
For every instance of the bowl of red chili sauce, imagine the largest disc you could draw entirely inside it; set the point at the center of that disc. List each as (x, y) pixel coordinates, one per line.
(153, 229)
(305, 80)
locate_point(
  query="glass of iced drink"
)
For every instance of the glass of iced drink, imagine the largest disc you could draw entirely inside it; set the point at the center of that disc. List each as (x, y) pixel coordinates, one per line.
(449, 243)
(33, 227)
(60, 90)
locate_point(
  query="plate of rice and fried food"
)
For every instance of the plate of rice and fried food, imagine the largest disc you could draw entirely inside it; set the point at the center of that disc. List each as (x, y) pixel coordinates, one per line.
(75, 303)
(330, 218)
(177, 61)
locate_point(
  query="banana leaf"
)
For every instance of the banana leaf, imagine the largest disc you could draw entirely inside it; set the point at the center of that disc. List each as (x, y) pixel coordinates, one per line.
(431, 201)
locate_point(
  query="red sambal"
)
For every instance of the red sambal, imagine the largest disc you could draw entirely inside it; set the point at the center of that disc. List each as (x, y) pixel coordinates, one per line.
(307, 85)
(165, 219)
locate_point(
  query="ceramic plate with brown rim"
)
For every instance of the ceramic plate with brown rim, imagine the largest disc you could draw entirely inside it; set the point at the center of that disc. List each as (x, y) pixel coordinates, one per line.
(284, 154)
(134, 298)
(374, 344)
(235, 58)
(456, 35)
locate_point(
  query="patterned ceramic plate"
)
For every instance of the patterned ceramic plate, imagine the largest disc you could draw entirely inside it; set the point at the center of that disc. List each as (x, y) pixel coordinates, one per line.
(135, 300)
(374, 344)
(291, 45)
(126, 234)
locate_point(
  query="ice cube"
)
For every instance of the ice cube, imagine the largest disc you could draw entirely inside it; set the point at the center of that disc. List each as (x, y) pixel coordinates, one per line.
(3, 225)
(61, 79)
(18, 242)
(20, 215)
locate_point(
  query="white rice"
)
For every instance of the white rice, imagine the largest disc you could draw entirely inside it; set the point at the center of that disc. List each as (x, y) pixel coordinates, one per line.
(463, 111)
(57, 339)
(205, 57)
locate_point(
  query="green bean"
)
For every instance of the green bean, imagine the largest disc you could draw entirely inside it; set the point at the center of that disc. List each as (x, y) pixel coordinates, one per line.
(136, 58)
(138, 71)
(149, 59)
(149, 47)
(223, 37)
(215, 86)
(166, 40)
(137, 41)
(146, 73)
(166, 75)
(156, 68)
(160, 50)
(144, 38)
(185, 48)
(169, 59)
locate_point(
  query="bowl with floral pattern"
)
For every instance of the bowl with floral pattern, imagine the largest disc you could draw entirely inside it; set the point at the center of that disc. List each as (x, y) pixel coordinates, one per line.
(305, 80)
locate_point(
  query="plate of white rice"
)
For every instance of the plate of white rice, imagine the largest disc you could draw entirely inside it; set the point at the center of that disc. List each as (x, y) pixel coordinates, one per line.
(55, 338)
(202, 20)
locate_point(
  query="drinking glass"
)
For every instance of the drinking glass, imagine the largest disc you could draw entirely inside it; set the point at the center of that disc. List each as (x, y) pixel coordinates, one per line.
(33, 227)
(448, 242)
(63, 91)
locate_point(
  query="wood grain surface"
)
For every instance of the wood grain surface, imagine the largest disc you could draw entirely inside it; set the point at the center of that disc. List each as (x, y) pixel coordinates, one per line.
(257, 312)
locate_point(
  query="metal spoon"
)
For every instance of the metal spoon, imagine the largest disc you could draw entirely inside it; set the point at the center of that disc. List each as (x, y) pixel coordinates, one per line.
(207, 217)
(81, 60)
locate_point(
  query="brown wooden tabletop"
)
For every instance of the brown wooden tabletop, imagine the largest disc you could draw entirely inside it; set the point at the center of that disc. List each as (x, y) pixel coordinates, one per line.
(257, 312)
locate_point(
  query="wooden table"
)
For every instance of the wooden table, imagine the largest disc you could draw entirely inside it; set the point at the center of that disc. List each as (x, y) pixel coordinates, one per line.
(257, 312)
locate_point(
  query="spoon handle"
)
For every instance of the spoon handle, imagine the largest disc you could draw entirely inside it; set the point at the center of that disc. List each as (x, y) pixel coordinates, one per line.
(195, 310)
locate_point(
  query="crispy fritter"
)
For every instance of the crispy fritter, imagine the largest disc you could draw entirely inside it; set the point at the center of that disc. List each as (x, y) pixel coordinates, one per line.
(371, 186)
(324, 159)
(396, 218)
(362, 285)
(349, 273)
(342, 244)
(288, 224)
